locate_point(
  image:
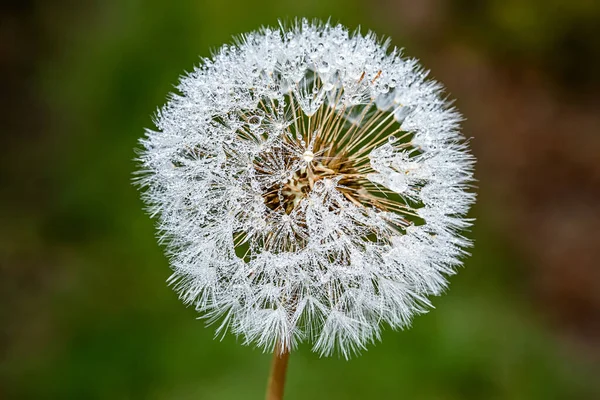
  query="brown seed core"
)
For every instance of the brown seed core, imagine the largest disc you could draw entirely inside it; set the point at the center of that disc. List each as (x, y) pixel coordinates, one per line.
(287, 195)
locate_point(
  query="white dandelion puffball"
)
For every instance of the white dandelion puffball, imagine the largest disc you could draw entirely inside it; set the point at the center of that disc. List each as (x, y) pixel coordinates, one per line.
(310, 185)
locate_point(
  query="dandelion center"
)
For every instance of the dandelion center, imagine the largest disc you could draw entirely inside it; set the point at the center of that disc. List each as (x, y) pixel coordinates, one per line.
(315, 147)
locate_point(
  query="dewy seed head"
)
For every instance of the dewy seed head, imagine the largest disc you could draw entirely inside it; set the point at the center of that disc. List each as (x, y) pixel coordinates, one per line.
(310, 184)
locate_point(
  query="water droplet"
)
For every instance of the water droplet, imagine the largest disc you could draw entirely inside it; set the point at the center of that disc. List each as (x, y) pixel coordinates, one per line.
(384, 101)
(401, 113)
(324, 67)
(392, 139)
(308, 156)
(397, 183)
(319, 186)
(254, 121)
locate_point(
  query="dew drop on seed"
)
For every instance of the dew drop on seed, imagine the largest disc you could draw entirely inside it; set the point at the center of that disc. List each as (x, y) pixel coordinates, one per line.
(398, 183)
(401, 113)
(254, 121)
(319, 186)
(324, 67)
(308, 156)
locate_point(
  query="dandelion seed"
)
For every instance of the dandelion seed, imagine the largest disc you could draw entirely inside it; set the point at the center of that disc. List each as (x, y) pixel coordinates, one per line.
(310, 185)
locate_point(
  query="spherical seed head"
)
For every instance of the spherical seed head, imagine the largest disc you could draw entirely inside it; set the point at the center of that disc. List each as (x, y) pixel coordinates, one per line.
(310, 185)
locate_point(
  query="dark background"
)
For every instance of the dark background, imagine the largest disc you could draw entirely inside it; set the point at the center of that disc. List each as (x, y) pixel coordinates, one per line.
(85, 312)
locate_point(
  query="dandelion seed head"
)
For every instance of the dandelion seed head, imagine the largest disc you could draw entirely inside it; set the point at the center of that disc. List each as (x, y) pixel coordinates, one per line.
(310, 185)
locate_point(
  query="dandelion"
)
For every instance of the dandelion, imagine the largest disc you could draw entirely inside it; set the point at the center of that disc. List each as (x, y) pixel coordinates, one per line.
(310, 185)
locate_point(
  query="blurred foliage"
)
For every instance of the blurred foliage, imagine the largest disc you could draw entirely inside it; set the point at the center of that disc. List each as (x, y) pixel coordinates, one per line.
(561, 37)
(88, 313)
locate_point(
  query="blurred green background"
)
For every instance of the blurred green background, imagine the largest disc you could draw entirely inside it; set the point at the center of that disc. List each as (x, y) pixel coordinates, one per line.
(85, 312)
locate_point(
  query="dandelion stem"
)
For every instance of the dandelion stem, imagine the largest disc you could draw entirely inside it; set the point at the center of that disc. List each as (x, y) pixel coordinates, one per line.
(278, 370)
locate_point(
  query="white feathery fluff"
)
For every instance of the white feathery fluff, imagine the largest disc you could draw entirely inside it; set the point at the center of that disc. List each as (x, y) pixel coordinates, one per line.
(310, 184)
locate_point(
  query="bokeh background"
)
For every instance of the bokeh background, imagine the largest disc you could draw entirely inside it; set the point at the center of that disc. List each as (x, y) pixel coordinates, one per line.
(84, 309)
